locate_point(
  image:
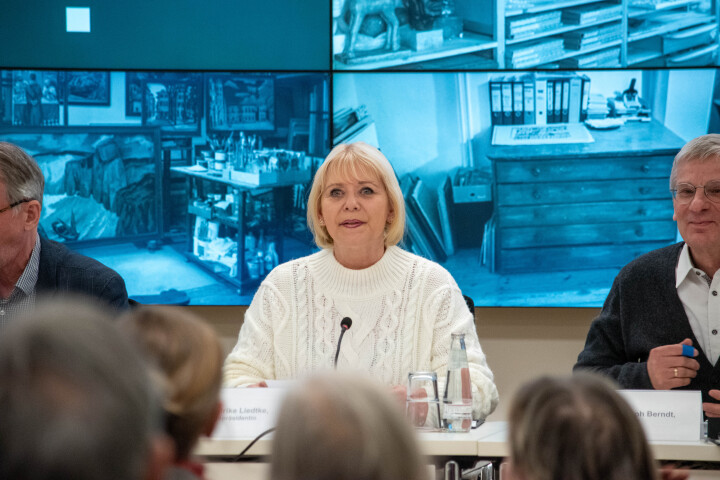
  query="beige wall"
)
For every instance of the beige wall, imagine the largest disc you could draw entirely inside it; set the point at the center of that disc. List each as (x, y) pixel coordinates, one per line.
(520, 343)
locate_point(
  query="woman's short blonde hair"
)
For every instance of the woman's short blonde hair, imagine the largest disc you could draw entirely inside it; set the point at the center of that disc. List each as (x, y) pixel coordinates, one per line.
(343, 427)
(576, 428)
(353, 161)
(189, 357)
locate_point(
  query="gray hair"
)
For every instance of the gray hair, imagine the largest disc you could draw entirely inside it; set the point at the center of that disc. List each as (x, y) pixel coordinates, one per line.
(21, 174)
(76, 399)
(576, 428)
(343, 427)
(705, 148)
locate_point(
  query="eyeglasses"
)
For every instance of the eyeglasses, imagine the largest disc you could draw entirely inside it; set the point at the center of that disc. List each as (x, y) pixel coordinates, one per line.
(12, 205)
(685, 192)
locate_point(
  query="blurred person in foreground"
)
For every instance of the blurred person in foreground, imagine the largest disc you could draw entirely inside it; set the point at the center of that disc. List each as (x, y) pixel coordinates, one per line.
(660, 325)
(32, 266)
(403, 307)
(76, 401)
(188, 357)
(578, 428)
(340, 427)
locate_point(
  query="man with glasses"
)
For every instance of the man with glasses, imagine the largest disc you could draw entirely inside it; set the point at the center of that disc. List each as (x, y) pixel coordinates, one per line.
(30, 265)
(660, 325)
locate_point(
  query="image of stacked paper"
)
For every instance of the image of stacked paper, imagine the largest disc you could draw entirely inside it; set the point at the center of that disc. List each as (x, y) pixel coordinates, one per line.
(512, 6)
(526, 26)
(594, 12)
(656, 4)
(665, 22)
(593, 37)
(534, 53)
(597, 106)
(600, 59)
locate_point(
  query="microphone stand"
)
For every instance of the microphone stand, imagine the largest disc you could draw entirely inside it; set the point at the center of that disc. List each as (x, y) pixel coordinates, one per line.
(345, 325)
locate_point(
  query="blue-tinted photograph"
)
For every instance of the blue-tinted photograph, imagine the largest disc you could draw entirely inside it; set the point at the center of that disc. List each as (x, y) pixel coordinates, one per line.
(191, 185)
(531, 188)
(523, 34)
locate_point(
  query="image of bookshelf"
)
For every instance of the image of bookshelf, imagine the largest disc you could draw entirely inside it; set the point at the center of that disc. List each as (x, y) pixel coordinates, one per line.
(528, 34)
(604, 34)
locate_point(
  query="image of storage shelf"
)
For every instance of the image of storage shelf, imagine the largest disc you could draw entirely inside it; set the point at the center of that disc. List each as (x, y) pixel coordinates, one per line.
(579, 34)
(443, 55)
(199, 182)
(664, 33)
(584, 206)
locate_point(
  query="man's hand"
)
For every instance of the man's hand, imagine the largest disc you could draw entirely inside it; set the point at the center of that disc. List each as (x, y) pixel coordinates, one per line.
(668, 368)
(712, 409)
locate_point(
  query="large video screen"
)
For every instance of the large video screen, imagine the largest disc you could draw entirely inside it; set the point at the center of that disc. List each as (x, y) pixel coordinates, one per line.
(462, 35)
(533, 188)
(191, 185)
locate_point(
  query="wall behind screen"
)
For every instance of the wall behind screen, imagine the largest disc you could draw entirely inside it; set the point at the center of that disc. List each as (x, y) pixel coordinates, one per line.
(169, 34)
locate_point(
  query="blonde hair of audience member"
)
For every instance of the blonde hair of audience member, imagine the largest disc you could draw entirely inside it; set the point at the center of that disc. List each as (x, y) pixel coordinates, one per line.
(576, 428)
(188, 354)
(354, 161)
(705, 148)
(343, 427)
(76, 401)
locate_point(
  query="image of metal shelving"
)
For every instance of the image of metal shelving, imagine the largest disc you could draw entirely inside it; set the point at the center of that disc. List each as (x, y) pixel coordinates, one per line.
(191, 185)
(524, 34)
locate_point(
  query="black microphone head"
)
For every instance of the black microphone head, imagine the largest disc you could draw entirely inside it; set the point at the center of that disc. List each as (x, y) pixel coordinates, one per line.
(346, 323)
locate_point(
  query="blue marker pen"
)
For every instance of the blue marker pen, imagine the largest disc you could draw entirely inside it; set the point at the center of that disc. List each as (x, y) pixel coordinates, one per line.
(688, 351)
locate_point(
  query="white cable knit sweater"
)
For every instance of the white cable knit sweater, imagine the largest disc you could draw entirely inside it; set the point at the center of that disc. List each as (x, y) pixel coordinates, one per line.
(403, 309)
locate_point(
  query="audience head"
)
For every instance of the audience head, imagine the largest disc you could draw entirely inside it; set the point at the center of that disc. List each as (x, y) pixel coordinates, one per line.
(576, 428)
(343, 427)
(188, 358)
(354, 161)
(76, 400)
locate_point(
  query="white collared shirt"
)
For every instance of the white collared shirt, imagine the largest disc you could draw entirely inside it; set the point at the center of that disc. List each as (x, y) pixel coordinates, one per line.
(700, 296)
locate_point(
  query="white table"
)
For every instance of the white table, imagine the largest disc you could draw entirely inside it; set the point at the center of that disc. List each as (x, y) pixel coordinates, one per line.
(487, 441)
(494, 445)
(432, 443)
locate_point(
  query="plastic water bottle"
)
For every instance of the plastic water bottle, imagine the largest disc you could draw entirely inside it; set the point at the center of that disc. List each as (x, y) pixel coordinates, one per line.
(457, 412)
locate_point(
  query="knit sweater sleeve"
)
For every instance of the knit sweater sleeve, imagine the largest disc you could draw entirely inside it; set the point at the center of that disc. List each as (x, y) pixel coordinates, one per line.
(253, 357)
(605, 350)
(447, 306)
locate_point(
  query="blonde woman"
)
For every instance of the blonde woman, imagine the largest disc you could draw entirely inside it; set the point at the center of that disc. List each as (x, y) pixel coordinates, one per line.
(403, 307)
(188, 357)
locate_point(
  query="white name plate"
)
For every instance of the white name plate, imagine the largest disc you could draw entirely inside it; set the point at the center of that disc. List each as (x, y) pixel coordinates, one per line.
(668, 415)
(247, 412)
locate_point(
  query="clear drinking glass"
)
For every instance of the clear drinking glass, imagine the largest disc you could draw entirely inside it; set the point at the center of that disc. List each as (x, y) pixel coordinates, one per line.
(457, 401)
(423, 401)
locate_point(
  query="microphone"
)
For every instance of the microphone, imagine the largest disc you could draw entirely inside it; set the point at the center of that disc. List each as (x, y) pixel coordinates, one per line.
(345, 325)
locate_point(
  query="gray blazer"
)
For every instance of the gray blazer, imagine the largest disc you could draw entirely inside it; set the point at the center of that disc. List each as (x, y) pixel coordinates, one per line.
(64, 271)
